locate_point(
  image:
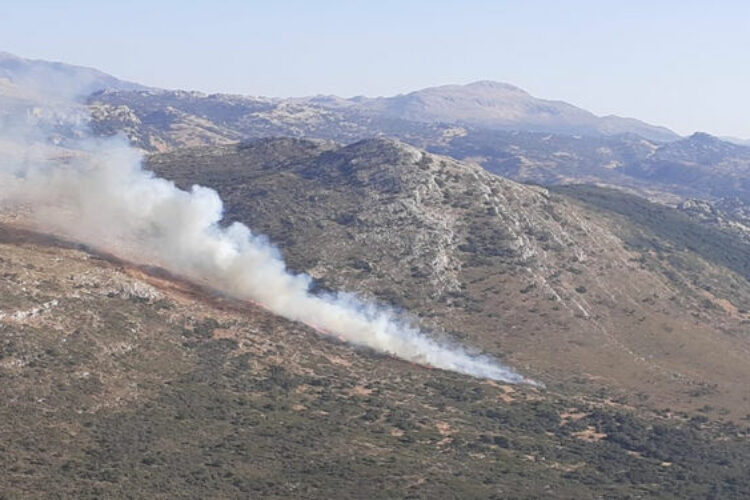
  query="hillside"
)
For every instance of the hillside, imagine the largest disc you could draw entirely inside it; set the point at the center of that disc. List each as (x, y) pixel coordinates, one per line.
(571, 292)
(730, 214)
(120, 381)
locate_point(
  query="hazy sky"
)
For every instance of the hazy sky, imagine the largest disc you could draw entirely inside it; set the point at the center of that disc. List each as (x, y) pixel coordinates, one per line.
(683, 64)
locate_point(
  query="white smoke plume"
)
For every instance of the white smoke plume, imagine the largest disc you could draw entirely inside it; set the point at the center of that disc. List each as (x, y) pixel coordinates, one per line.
(98, 194)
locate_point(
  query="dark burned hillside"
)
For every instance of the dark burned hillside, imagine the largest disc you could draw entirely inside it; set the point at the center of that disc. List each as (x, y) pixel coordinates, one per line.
(118, 383)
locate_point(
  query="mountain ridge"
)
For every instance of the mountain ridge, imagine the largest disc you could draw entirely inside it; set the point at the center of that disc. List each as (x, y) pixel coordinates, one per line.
(504, 106)
(57, 78)
(697, 166)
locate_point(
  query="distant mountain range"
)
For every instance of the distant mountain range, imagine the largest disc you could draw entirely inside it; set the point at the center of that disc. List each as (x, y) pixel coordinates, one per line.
(494, 105)
(483, 104)
(699, 166)
(496, 125)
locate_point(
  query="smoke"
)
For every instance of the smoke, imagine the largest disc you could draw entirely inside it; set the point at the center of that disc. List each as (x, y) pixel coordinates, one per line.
(97, 193)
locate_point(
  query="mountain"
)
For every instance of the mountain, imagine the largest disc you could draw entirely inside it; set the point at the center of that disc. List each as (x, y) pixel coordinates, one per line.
(484, 104)
(588, 288)
(497, 125)
(495, 105)
(160, 120)
(126, 381)
(699, 166)
(57, 79)
(490, 105)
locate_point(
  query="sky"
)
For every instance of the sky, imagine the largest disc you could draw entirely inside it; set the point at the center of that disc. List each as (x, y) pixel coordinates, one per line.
(681, 64)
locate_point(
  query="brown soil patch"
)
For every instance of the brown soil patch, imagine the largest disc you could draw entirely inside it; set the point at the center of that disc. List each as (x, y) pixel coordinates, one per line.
(590, 435)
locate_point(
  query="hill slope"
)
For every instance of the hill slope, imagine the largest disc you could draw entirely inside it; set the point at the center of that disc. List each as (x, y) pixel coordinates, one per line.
(124, 382)
(593, 297)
